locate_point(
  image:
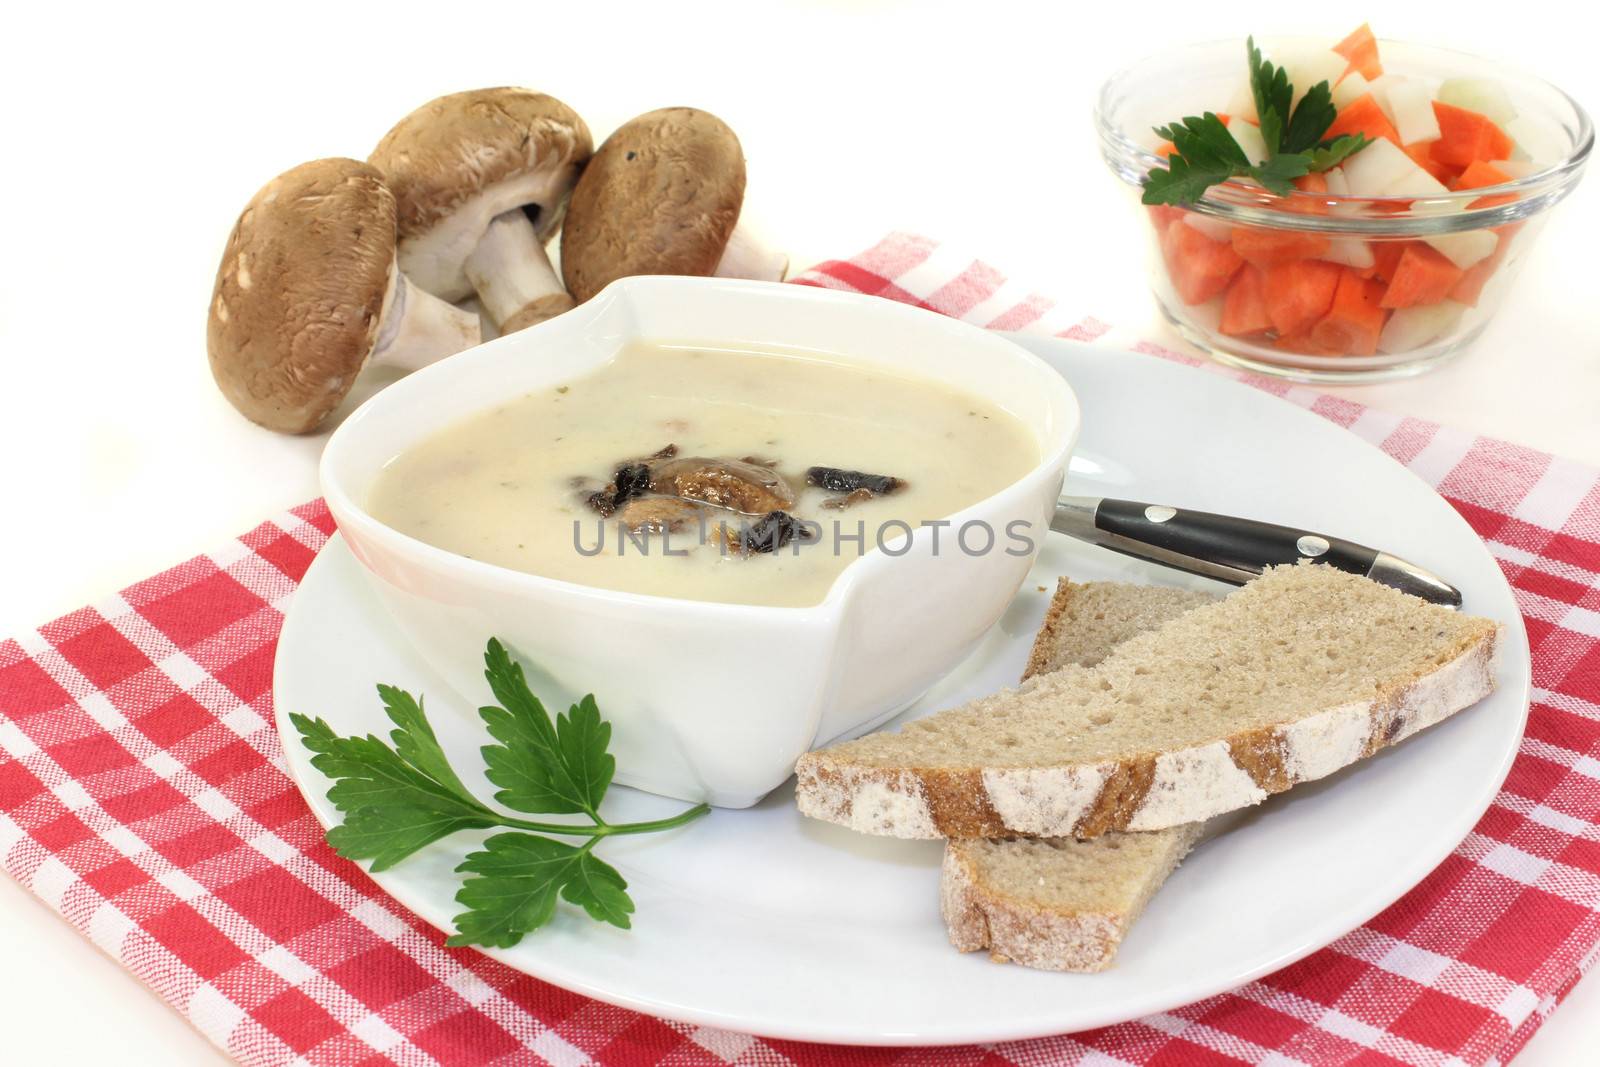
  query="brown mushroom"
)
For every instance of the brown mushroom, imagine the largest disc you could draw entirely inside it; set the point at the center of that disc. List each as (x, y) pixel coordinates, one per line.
(661, 514)
(308, 291)
(482, 179)
(723, 483)
(662, 196)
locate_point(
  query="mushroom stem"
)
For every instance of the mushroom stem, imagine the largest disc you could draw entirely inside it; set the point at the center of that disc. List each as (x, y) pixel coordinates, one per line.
(513, 277)
(747, 256)
(418, 328)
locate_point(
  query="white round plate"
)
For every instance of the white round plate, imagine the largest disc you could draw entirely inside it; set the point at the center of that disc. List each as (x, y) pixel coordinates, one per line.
(765, 922)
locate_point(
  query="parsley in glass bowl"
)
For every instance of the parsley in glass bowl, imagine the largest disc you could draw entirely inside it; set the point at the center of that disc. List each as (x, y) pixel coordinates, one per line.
(1360, 211)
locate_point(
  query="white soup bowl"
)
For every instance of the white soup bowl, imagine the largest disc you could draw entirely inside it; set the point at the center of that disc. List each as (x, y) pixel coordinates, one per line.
(711, 701)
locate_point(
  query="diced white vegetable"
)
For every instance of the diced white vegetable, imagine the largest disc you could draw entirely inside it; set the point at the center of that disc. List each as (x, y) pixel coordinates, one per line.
(1409, 329)
(1248, 138)
(1379, 87)
(1350, 251)
(1339, 185)
(1411, 111)
(1215, 229)
(1478, 94)
(1352, 88)
(1242, 104)
(1419, 184)
(1307, 67)
(1383, 169)
(1373, 169)
(1535, 139)
(1517, 168)
(1465, 249)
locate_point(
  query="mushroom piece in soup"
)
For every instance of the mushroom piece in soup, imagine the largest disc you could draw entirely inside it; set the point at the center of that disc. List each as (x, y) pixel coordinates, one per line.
(782, 470)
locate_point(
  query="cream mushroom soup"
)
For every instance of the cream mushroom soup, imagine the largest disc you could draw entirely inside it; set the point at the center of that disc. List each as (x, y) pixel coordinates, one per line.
(732, 476)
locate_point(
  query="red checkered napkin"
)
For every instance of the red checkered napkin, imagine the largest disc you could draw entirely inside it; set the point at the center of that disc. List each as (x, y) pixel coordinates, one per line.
(143, 796)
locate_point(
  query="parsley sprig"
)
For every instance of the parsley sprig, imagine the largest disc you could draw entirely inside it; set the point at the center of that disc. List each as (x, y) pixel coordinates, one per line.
(397, 798)
(1206, 154)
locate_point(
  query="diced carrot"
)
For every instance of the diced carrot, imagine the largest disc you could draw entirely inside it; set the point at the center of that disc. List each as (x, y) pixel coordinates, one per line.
(1312, 183)
(1304, 344)
(1466, 136)
(1352, 324)
(1224, 117)
(1200, 268)
(1264, 246)
(1422, 276)
(1361, 49)
(1164, 215)
(1493, 201)
(1470, 288)
(1480, 175)
(1362, 115)
(1244, 309)
(1389, 206)
(1385, 257)
(1298, 294)
(1421, 153)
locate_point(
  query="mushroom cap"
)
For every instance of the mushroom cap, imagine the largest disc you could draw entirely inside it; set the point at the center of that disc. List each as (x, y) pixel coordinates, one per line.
(300, 292)
(458, 161)
(661, 196)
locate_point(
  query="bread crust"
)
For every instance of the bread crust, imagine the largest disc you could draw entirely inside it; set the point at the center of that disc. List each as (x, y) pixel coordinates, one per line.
(980, 916)
(1149, 791)
(1049, 636)
(982, 913)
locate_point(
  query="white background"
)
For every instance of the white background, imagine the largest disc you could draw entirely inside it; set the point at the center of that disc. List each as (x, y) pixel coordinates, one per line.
(134, 134)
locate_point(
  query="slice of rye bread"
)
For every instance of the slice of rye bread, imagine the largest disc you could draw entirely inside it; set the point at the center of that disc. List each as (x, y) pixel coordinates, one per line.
(1060, 903)
(1085, 622)
(1301, 672)
(1055, 903)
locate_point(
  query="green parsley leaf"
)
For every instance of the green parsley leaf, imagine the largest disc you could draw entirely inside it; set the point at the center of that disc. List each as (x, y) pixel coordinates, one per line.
(1279, 172)
(388, 835)
(414, 739)
(368, 773)
(392, 808)
(1312, 117)
(396, 800)
(516, 881)
(1205, 154)
(1330, 154)
(1273, 94)
(1205, 142)
(1181, 183)
(542, 767)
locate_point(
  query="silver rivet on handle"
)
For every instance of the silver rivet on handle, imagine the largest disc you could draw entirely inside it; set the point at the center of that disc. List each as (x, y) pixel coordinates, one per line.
(1312, 545)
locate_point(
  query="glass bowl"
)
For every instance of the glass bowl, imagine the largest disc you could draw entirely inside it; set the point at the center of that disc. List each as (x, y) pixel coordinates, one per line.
(1458, 252)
